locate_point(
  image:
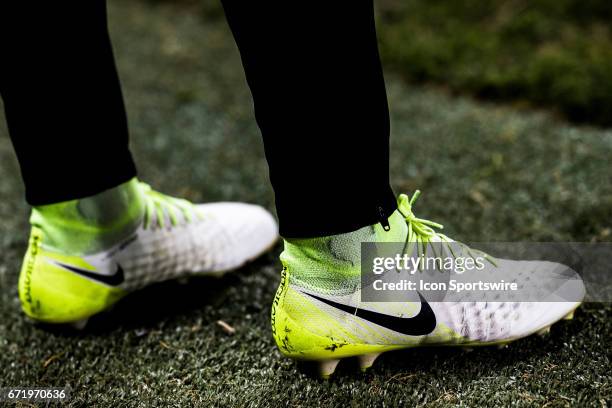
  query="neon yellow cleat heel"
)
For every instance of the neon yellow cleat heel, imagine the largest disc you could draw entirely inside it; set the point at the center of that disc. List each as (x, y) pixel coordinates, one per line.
(51, 293)
(304, 332)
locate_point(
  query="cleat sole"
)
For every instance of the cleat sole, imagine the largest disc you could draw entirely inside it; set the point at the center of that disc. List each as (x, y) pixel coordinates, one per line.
(327, 367)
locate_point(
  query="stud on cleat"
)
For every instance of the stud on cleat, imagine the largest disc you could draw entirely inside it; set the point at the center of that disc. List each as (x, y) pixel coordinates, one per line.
(327, 368)
(367, 360)
(502, 346)
(569, 316)
(216, 275)
(79, 324)
(543, 332)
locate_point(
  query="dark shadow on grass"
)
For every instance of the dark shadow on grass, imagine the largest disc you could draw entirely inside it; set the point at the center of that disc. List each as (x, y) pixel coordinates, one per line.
(163, 301)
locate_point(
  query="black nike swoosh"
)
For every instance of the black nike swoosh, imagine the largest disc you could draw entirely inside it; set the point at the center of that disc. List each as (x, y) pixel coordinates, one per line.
(115, 279)
(419, 325)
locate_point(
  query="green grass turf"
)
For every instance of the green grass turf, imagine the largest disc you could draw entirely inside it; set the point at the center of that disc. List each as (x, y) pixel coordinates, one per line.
(487, 172)
(555, 53)
(552, 53)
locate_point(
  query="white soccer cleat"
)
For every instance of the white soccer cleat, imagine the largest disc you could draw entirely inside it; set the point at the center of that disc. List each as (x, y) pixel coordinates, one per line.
(319, 314)
(173, 239)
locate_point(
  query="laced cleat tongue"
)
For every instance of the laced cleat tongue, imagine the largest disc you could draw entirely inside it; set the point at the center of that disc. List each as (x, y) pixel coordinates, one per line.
(162, 211)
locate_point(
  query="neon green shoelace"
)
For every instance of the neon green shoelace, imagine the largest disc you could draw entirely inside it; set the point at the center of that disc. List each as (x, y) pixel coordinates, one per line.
(419, 229)
(421, 232)
(158, 205)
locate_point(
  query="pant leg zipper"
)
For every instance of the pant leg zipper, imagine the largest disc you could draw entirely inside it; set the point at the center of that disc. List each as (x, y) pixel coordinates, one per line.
(384, 221)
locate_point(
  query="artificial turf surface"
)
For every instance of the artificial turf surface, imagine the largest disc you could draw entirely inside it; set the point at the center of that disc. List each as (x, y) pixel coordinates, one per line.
(487, 173)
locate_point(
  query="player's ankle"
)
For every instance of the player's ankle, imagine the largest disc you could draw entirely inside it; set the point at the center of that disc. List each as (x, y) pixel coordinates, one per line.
(91, 223)
(336, 253)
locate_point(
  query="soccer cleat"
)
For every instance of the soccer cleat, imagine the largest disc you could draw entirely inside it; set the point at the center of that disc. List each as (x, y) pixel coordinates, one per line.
(170, 238)
(318, 315)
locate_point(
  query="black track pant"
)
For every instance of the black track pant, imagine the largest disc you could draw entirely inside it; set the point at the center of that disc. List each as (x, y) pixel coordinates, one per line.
(313, 69)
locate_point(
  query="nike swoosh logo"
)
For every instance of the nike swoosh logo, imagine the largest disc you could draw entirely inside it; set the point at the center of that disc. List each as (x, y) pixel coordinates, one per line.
(115, 279)
(419, 325)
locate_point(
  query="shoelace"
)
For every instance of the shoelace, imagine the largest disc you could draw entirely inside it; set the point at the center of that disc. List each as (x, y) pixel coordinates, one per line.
(158, 205)
(419, 229)
(421, 232)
